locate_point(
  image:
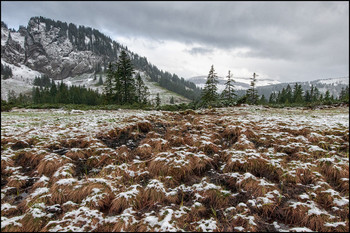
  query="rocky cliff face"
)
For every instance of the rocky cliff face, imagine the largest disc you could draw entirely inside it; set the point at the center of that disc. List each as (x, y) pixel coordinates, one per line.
(47, 51)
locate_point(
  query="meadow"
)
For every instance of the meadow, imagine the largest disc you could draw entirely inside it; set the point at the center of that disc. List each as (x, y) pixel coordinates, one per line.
(247, 168)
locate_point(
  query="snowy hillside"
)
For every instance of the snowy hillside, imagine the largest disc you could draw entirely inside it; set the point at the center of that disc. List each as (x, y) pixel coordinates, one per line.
(23, 76)
(334, 81)
(242, 83)
(73, 54)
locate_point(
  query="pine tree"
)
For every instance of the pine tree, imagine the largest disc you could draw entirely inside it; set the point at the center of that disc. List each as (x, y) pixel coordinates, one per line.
(172, 100)
(53, 92)
(125, 74)
(229, 94)
(158, 100)
(272, 98)
(262, 100)
(288, 95)
(141, 90)
(209, 94)
(109, 85)
(100, 81)
(252, 93)
(297, 93)
(307, 96)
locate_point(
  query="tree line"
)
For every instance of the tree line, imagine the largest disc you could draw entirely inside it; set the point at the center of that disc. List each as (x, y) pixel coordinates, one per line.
(288, 95)
(86, 38)
(6, 71)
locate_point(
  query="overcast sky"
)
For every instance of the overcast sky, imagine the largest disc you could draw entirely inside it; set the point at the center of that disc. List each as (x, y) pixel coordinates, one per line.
(285, 41)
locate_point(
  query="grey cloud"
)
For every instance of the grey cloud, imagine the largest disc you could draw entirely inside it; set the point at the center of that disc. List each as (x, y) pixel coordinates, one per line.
(290, 31)
(199, 51)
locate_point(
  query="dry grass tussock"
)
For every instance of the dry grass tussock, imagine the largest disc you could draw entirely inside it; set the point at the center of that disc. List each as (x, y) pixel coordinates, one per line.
(231, 169)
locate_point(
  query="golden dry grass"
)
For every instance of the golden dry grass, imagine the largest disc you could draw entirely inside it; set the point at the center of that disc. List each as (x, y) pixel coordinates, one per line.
(240, 172)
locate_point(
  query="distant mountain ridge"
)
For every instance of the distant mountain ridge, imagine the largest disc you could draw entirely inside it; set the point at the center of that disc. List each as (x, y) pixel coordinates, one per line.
(334, 85)
(242, 83)
(267, 86)
(62, 51)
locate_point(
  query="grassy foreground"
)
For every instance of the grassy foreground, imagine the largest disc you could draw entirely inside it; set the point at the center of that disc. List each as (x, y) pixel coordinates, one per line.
(229, 169)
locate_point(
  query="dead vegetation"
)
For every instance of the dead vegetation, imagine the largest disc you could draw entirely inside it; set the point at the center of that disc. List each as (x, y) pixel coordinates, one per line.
(205, 170)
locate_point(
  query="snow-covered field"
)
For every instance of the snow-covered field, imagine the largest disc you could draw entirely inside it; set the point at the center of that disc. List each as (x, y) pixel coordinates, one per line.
(231, 169)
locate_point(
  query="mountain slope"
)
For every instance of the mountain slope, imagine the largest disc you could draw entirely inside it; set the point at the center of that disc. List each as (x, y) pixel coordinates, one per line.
(241, 83)
(64, 51)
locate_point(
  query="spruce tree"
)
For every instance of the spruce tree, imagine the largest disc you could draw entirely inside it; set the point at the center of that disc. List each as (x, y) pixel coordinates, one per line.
(252, 93)
(229, 94)
(100, 81)
(262, 100)
(141, 90)
(288, 95)
(272, 98)
(158, 100)
(125, 72)
(297, 93)
(209, 94)
(109, 85)
(307, 96)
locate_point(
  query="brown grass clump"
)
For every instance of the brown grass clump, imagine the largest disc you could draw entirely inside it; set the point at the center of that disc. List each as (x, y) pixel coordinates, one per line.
(20, 145)
(170, 164)
(32, 224)
(78, 142)
(144, 151)
(215, 199)
(5, 163)
(335, 175)
(28, 158)
(17, 182)
(179, 165)
(101, 193)
(299, 215)
(243, 143)
(49, 164)
(124, 200)
(257, 166)
(123, 155)
(157, 144)
(305, 176)
(144, 127)
(296, 132)
(176, 141)
(209, 148)
(76, 154)
(231, 133)
(61, 192)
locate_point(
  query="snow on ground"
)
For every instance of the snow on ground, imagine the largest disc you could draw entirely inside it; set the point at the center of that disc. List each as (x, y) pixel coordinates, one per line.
(245, 168)
(342, 80)
(20, 82)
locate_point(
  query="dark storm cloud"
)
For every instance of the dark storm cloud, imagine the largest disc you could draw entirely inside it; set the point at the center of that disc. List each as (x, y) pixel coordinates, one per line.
(291, 31)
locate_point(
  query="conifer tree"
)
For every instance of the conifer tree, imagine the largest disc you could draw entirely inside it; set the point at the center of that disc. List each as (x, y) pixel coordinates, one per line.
(209, 94)
(141, 90)
(100, 81)
(125, 75)
(297, 93)
(307, 96)
(172, 100)
(109, 85)
(288, 94)
(158, 100)
(262, 100)
(272, 98)
(229, 94)
(252, 93)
